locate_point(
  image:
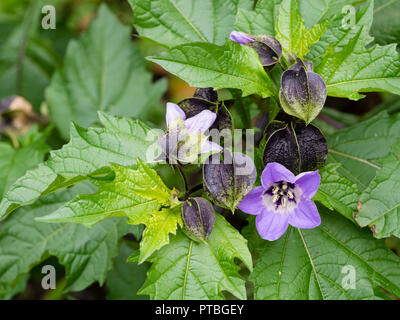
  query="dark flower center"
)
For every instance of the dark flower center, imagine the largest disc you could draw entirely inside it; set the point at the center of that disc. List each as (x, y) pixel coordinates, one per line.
(280, 194)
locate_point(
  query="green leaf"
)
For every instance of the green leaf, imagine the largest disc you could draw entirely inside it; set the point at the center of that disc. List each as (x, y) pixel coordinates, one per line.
(102, 71)
(314, 263)
(86, 253)
(386, 26)
(337, 192)
(259, 21)
(208, 65)
(291, 31)
(355, 68)
(27, 61)
(158, 227)
(359, 147)
(339, 37)
(316, 11)
(121, 141)
(138, 194)
(262, 19)
(125, 279)
(380, 202)
(7, 293)
(123, 196)
(188, 270)
(174, 22)
(15, 162)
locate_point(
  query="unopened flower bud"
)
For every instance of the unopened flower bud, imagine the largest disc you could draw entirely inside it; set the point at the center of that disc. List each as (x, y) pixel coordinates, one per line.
(268, 48)
(298, 147)
(303, 92)
(207, 99)
(198, 217)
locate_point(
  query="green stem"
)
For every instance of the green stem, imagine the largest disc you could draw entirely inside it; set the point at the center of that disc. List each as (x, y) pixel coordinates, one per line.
(193, 190)
(178, 166)
(242, 110)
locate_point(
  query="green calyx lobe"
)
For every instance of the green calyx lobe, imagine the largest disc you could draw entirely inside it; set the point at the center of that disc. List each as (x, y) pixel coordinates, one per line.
(298, 147)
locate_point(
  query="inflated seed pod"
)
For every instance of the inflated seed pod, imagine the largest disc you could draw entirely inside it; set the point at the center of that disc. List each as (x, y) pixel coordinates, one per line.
(303, 92)
(227, 181)
(198, 217)
(298, 147)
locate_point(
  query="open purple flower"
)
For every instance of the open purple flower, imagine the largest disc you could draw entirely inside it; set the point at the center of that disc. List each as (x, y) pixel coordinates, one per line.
(283, 199)
(185, 138)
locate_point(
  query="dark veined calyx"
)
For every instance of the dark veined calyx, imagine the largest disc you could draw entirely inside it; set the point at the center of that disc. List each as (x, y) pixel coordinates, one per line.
(298, 147)
(198, 216)
(268, 48)
(207, 99)
(303, 92)
(227, 181)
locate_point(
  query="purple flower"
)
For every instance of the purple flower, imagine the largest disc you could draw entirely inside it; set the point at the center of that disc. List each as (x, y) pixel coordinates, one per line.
(283, 199)
(185, 138)
(240, 37)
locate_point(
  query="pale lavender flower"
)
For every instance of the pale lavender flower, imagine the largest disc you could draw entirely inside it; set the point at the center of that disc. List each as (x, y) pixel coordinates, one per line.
(185, 135)
(283, 199)
(240, 37)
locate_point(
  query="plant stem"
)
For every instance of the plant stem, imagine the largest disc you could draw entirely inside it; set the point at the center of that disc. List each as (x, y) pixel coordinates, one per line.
(178, 166)
(242, 110)
(194, 189)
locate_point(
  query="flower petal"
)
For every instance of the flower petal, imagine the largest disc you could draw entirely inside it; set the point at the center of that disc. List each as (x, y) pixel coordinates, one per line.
(253, 202)
(240, 37)
(275, 172)
(308, 183)
(305, 215)
(201, 121)
(173, 112)
(210, 146)
(271, 225)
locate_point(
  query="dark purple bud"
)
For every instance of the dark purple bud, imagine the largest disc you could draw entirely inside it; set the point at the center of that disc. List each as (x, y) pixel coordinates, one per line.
(198, 217)
(307, 64)
(207, 99)
(298, 147)
(208, 94)
(268, 48)
(303, 92)
(229, 180)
